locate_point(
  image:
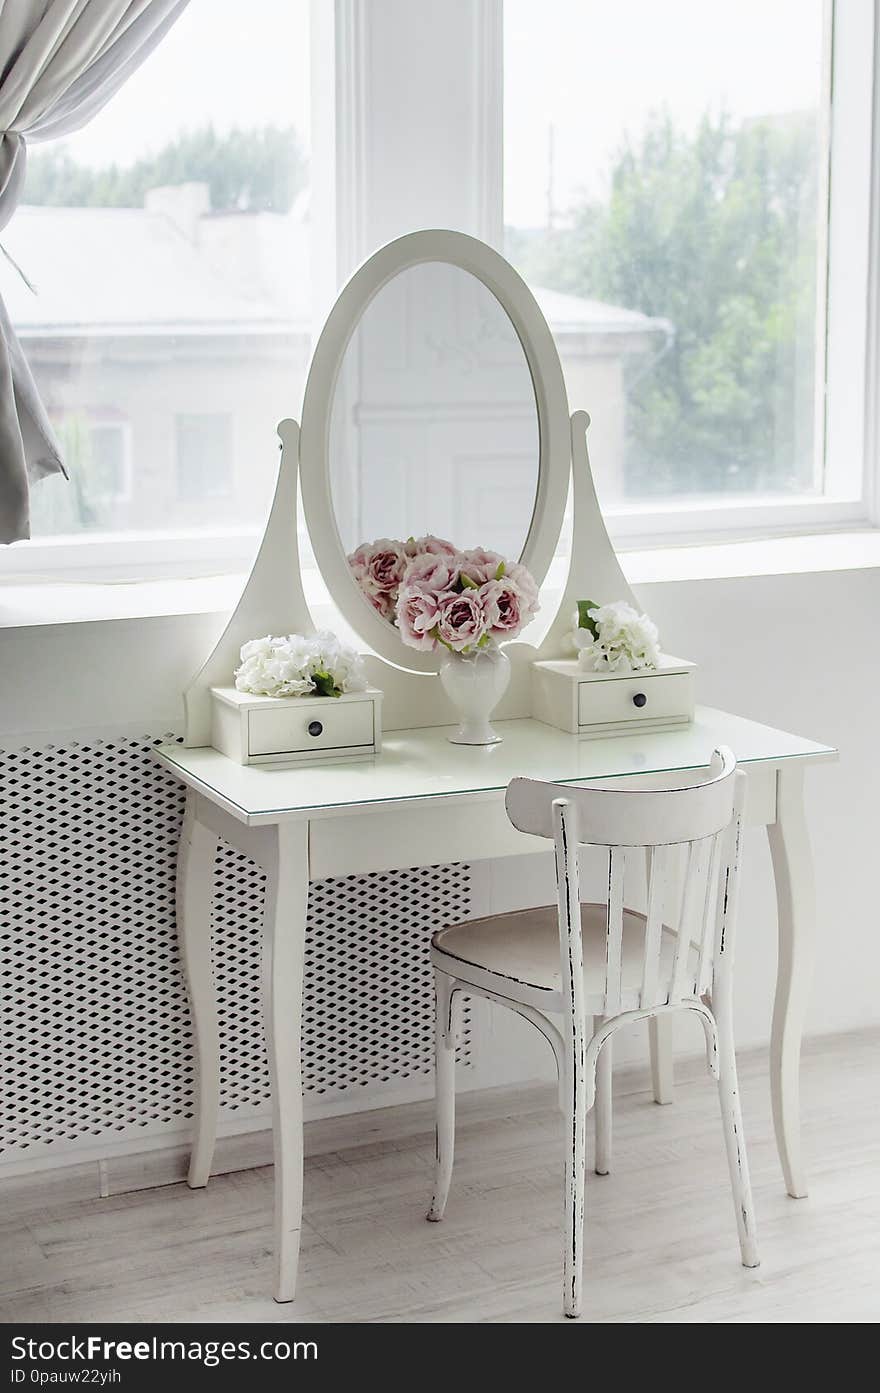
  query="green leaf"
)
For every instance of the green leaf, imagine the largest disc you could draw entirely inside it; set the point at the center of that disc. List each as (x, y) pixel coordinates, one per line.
(584, 620)
(484, 641)
(502, 569)
(467, 583)
(324, 685)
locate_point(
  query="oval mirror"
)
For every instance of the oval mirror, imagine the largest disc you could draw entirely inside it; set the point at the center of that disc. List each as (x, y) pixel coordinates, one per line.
(425, 416)
(434, 426)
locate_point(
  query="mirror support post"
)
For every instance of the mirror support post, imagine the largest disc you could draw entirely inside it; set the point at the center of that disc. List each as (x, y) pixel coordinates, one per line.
(272, 600)
(594, 572)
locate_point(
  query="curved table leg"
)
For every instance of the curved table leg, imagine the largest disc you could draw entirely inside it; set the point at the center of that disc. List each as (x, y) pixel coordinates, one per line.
(195, 879)
(793, 873)
(284, 930)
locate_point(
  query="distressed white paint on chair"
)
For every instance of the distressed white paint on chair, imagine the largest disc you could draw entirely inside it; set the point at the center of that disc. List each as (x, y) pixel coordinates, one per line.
(580, 972)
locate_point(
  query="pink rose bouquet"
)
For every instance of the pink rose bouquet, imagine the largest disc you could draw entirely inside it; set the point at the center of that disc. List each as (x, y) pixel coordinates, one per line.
(439, 596)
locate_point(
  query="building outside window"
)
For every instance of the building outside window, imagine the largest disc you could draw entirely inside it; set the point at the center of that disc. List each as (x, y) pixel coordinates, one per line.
(204, 452)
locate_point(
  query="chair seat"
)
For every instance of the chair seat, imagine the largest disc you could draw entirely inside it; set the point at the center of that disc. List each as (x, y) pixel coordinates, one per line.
(517, 955)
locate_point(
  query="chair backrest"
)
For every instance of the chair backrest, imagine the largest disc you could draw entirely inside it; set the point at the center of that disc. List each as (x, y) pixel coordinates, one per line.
(700, 824)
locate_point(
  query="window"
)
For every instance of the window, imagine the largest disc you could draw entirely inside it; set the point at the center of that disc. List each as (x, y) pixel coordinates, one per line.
(669, 197)
(692, 209)
(204, 457)
(169, 242)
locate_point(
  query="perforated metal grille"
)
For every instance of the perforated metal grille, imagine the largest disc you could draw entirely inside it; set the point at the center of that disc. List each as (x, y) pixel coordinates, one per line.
(94, 1031)
(369, 999)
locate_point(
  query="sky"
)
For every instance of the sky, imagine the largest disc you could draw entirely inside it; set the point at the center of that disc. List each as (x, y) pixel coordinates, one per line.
(232, 62)
(589, 69)
(596, 69)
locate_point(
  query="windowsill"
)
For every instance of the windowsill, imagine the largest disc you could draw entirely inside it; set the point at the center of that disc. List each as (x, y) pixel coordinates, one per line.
(30, 604)
(764, 556)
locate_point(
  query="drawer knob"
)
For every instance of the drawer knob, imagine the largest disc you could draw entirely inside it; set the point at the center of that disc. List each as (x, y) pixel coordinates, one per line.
(640, 700)
(315, 728)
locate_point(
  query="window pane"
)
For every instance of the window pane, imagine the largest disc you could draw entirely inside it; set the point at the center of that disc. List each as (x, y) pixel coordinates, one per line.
(169, 245)
(663, 188)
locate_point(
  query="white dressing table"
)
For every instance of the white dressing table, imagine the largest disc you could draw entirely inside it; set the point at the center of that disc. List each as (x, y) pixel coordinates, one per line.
(422, 800)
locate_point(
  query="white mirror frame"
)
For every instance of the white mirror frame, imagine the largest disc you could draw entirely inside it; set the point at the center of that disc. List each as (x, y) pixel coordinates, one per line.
(554, 455)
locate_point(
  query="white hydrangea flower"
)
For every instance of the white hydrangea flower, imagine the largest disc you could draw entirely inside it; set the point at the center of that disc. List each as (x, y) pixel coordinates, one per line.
(626, 641)
(299, 665)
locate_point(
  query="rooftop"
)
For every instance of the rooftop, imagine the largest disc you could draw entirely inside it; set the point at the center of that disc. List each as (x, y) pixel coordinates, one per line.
(122, 271)
(174, 268)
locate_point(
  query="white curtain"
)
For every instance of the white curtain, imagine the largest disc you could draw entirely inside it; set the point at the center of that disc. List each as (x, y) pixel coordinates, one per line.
(60, 61)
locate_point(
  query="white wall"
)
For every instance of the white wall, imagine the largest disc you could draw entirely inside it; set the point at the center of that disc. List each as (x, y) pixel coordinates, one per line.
(800, 652)
(108, 675)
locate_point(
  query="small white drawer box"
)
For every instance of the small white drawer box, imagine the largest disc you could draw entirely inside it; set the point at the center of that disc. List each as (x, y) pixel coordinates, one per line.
(613, 703)
(273, 730)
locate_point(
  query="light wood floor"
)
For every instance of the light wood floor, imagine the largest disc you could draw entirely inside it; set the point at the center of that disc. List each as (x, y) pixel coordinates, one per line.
(660, 1242)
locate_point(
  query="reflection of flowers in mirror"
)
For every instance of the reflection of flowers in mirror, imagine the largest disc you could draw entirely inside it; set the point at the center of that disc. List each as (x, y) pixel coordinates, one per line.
(440, 597)
(299, 665)
(614, 638)
(379, 567)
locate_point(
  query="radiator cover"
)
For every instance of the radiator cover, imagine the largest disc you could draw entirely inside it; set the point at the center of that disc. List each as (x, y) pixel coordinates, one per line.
(95, 1033)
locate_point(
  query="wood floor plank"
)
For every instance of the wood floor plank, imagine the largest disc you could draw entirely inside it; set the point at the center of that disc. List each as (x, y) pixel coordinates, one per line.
(660, 1238)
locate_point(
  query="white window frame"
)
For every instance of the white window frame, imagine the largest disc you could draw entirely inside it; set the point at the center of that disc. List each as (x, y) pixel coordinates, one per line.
(359, 200)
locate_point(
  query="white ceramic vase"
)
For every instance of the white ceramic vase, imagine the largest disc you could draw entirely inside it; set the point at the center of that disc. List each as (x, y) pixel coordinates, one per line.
(475, 683)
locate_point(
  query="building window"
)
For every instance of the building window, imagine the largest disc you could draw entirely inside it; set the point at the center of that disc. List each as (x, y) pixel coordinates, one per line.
(673, 197)
(98, 453)
(111, 461)
(204, 457)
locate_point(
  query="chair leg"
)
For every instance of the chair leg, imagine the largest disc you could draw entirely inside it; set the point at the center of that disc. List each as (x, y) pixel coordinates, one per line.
(444, 1088)
(735, 1142)
(662, 1076)
(575, 1182)
(603, 1106)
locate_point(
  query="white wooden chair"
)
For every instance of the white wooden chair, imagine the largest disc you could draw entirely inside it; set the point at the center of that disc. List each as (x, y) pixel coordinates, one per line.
(579, 972)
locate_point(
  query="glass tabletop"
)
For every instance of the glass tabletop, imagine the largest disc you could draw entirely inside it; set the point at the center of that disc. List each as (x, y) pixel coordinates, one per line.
(423, 764)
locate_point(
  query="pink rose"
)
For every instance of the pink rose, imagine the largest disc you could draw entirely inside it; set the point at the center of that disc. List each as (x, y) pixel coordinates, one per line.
(431, 571)
(525, 583)
(480, 565)
(378, 566)
(429, 546)
(358, 557)
(385, 566)
(383, 603)
(416, 616)
(357, 560)
(505, 609)
(461, 620)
